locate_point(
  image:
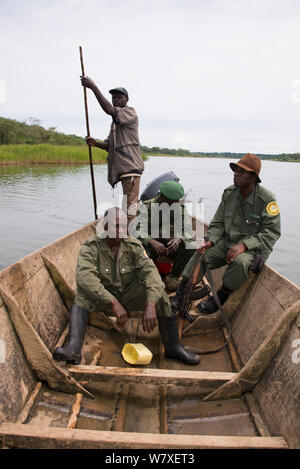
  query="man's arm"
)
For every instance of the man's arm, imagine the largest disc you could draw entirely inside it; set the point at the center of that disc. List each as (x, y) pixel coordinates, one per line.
(103, 145)
(120, 312)
(104, 103)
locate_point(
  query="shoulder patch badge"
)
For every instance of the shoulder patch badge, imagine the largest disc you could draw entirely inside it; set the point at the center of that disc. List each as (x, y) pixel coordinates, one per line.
(272, 208)
(145, 253)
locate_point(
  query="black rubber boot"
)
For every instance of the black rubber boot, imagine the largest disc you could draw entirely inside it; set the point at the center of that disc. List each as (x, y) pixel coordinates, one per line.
(170, 338)
(71, 353)
(210, 306)
(176, 301)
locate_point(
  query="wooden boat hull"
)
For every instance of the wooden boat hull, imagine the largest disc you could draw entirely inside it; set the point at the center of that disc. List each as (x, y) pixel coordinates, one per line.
(246, 396)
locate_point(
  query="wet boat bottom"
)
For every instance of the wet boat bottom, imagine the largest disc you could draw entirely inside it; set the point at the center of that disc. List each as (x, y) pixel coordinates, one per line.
(146, 408)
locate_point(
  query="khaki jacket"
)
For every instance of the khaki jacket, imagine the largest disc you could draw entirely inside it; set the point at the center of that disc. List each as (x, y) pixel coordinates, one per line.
(124, 155)
(101, 277)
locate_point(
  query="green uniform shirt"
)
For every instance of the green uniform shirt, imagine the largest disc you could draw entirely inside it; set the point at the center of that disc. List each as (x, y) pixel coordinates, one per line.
(254, 221)
(146, 215)
(101, 276)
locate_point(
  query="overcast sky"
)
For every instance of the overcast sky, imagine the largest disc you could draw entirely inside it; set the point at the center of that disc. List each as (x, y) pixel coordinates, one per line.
(206, 75)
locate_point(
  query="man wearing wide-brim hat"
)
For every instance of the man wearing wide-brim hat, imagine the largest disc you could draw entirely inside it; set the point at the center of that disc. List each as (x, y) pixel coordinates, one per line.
(242, 233)
(166, 242)
(124, 160)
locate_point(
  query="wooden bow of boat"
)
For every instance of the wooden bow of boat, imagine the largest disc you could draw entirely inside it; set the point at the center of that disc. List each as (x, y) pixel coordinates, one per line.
(245, 396)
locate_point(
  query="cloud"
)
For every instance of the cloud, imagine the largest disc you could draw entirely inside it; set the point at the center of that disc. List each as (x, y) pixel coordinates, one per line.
(209, 74)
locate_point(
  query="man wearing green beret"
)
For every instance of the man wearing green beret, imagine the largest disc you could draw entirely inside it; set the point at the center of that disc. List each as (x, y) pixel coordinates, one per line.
(165, 229)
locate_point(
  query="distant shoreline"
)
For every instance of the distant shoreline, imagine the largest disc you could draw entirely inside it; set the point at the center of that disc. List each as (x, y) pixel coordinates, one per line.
(23, 143)
(46, 153)
(219, 157)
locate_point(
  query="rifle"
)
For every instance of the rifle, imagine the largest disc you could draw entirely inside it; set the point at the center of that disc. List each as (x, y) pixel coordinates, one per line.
(183, 311)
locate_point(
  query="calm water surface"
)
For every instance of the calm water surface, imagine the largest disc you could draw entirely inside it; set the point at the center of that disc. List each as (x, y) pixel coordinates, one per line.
(40, 204)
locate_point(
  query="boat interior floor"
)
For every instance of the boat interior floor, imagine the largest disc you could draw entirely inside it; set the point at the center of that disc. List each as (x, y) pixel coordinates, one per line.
(139, 407)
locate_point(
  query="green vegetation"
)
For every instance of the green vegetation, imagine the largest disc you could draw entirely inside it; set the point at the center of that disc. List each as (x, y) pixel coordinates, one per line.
(14, 132)
(30, 143)
(50, 154)
(23, 143)
(157, 151)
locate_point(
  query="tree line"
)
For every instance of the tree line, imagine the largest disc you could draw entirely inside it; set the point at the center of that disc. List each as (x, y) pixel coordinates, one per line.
(30, 131)
(183, 152)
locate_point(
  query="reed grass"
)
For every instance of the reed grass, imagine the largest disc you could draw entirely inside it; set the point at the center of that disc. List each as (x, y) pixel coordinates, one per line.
(49, 154)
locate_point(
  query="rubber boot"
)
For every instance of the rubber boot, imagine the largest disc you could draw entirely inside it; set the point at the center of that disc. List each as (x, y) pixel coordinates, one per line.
(176, 301)
(170, 338)
(210, 306)
(71, 353)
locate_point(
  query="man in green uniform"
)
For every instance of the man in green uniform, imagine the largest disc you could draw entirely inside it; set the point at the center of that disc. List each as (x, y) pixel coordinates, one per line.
(114, 273)
(242, 233)
(174, 234)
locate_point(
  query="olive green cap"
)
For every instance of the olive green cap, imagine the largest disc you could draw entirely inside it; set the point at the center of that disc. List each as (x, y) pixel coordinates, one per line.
(171, 190)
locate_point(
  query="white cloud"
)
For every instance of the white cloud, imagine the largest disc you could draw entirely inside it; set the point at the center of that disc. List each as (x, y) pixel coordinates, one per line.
(213, 75)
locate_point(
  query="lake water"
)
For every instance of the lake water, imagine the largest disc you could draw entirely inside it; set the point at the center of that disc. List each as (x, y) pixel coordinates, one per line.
(40, 204)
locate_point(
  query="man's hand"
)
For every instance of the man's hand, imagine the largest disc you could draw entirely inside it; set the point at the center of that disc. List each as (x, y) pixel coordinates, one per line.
(149, 319)
(90, 141)
(206, 245)
(88, 82)
(173, 245)
(235, 251)
(119, 312)
(158, 247)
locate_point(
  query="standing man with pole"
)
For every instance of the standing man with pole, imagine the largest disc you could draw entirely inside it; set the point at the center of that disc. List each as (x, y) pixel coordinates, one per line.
(124, 160)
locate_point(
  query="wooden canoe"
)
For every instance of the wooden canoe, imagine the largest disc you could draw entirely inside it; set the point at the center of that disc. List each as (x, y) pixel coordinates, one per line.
(245, 396)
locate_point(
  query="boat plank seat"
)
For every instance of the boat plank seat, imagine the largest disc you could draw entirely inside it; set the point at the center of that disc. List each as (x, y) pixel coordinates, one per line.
(203, 379)
(24, 436)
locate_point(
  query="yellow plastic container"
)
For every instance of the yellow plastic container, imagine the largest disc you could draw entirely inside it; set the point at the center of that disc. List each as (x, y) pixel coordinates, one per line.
(136, 354)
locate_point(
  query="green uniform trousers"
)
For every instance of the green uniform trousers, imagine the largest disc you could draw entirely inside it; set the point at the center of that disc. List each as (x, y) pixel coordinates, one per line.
(235, 274)
(133, 298)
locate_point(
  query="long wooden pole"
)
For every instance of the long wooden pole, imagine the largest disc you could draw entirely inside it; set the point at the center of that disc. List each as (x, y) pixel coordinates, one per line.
(88, 134)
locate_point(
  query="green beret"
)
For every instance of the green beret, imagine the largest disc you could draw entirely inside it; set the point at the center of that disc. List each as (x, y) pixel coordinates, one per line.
(171, 190)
